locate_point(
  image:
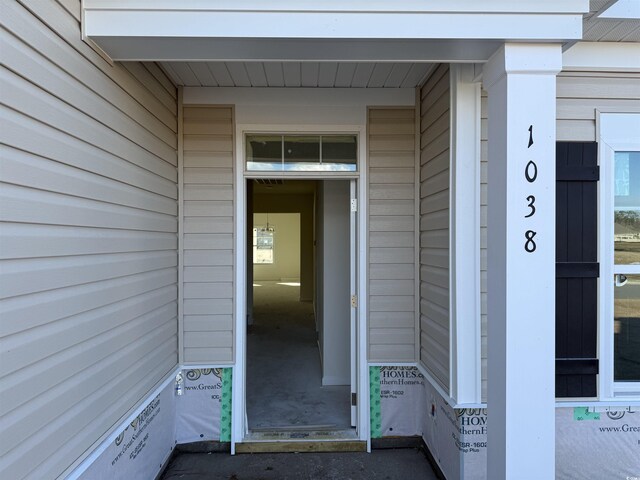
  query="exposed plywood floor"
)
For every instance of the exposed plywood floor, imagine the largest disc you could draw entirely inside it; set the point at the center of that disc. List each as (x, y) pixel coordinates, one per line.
(284, 387)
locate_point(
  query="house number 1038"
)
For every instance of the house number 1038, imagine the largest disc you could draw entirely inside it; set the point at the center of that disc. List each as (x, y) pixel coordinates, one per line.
(531, 175)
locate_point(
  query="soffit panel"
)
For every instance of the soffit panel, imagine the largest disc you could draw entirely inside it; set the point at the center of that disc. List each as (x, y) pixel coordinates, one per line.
(598, 29)
(297, 74)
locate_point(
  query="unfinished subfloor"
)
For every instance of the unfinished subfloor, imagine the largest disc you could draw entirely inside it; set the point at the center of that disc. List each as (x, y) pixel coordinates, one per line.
(406, 463)
(284, 385)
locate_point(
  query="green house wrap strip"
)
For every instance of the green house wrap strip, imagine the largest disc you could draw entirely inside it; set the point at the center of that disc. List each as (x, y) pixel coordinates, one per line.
(374, 396)
(225, 407)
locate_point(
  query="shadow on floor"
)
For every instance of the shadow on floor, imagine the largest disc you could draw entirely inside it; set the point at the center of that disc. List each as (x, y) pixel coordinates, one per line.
(391, 464)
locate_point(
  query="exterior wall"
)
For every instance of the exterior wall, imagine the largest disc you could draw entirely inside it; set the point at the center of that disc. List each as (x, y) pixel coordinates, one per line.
(579, 94)
(208, 255)
(89, 223)
(392, 254)
(434, 225)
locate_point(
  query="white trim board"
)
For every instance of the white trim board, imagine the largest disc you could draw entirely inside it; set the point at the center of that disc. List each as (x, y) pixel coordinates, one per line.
(294, 109)
(616, 131)
(239, 428)
(602, 56)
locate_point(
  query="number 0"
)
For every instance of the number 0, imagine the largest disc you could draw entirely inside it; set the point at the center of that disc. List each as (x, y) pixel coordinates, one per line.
(531, 171)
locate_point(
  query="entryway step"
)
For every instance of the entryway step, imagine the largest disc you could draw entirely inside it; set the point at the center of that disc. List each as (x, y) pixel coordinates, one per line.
(302, 446)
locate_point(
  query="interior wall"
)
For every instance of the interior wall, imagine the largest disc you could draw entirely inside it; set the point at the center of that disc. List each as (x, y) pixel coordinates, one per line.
(334, 291)
(303, 205)
(286, 247)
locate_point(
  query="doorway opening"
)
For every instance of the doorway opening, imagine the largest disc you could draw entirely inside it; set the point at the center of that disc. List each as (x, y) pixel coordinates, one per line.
(300, 366)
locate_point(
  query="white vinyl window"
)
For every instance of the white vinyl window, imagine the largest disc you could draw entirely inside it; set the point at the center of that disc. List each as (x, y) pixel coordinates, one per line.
(302, 153)
(619, 153)
(263, 245)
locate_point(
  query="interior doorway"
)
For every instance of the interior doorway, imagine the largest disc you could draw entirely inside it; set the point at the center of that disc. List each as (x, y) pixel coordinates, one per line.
(300, 366)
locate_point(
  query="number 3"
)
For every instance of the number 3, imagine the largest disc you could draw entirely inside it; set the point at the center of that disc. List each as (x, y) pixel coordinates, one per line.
(531, 205)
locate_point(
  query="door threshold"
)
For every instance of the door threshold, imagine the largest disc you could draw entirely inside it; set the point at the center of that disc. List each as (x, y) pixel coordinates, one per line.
(301, 446)
(301, 434)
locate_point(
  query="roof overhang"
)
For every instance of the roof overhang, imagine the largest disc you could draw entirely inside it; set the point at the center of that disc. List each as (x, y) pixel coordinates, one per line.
(332, 30)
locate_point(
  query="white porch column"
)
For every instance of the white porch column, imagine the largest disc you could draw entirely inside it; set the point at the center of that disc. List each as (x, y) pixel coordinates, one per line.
(521, 83)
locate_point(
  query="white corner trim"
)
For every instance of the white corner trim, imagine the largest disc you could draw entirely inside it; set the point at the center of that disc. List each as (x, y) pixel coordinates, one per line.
(464, 237)
(602, 56)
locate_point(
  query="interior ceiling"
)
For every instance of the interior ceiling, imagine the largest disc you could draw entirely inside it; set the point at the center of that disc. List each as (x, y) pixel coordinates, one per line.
(279, 187)
(296, 74)
(596, 29)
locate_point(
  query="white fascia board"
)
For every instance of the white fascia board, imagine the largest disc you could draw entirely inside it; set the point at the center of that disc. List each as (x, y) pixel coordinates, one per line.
(602, 56)
(460, 6)
(131, 23)
(297, 50)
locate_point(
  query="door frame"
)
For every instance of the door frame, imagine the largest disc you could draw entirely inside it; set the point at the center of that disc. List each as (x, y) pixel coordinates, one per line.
(239, 422)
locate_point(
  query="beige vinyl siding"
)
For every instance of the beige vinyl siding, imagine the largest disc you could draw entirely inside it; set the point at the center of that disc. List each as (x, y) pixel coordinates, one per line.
(434, 225)
(208, 234)
(578, 94)
(392, 316)
(88, 205)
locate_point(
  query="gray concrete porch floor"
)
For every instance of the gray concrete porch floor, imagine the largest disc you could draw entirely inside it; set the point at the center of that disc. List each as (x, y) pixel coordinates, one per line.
(389, 464)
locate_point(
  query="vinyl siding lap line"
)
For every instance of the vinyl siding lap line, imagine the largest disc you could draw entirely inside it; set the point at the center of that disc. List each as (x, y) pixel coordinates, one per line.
(74, 152)
(92, 75)
(30, 171)
(27, 63)
(434, 225)
(33, 102)
(391, 334)
(208, 229)
(67, 30)
(90, 165)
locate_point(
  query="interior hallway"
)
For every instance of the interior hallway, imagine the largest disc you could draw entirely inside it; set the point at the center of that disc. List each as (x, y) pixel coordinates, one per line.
(284, 386)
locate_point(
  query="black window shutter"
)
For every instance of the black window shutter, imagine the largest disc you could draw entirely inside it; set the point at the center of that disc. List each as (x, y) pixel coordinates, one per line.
(577, 269)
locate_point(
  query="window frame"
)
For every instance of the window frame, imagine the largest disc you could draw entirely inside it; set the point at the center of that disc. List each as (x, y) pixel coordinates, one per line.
(273, 247)
(303, 133)
(616, 132)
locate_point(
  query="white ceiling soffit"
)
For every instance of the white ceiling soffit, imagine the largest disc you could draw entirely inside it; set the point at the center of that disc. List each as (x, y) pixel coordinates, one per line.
(328, 30)
(296, 74)
(602, 25)
(623, 9)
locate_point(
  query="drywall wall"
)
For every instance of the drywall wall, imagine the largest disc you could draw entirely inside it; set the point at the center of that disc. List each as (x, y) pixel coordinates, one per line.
(334, 294)
(286, 247)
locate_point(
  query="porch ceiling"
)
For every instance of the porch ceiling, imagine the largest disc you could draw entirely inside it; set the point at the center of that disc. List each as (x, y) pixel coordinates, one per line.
(297, 74)
(597, 29)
